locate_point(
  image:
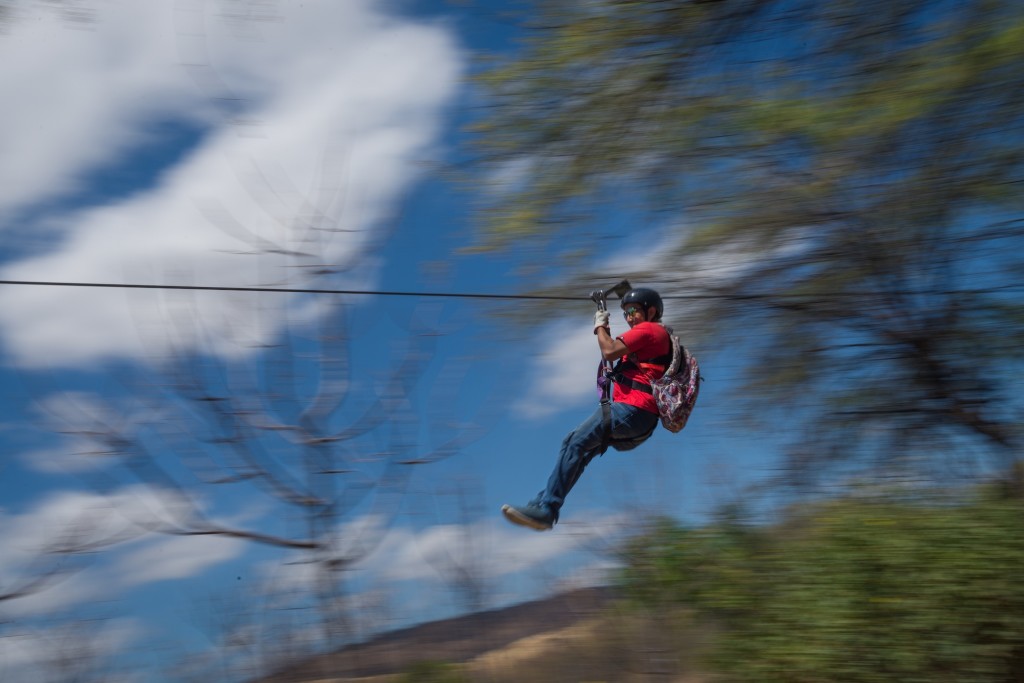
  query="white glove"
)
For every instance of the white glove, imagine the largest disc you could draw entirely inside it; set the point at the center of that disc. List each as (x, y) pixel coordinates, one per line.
(600, 320)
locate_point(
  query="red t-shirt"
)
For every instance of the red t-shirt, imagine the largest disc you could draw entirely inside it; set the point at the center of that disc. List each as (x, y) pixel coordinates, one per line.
(645, 341)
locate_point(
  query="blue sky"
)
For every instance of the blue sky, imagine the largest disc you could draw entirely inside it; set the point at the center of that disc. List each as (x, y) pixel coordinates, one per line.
(238, 143)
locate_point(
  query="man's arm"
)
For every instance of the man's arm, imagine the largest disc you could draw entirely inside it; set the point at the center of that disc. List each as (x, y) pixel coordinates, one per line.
(611, 349)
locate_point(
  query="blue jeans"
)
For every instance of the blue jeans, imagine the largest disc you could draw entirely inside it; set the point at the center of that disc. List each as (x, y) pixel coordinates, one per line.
(630, 426)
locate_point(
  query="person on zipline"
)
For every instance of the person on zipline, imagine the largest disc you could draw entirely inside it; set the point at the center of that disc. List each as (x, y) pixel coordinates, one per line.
(643, 352)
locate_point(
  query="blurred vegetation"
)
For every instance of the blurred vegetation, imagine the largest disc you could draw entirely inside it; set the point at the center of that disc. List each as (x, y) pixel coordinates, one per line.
(831, 197)
(432, 672)
(837, 187)
(859, 589)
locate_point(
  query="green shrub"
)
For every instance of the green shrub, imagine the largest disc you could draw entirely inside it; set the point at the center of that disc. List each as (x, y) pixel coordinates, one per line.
(853, 590)
(432, 672)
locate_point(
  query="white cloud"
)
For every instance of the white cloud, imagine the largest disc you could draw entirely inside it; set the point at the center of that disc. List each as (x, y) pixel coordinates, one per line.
(32, 653)
(65, 519)
(175, 557)
(87, 423)
(79, 522)
(566, 373)
(72, 456)
(65, 592)
(57, 520)
(70, 519)
(494, 547)
(78, 95)
(335, 105)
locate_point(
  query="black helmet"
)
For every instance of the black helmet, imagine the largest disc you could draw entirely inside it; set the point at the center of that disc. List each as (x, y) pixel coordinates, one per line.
(646, 298)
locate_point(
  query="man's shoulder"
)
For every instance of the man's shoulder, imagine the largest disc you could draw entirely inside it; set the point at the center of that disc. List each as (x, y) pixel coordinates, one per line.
(651, 329)
(648, 332)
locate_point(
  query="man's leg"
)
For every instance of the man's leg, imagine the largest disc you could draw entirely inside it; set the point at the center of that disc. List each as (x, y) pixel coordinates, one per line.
(578, 448)
(584, 443)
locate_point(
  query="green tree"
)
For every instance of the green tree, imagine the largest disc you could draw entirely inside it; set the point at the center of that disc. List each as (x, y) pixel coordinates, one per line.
(855, 590)
(844, 180)
(432, 672)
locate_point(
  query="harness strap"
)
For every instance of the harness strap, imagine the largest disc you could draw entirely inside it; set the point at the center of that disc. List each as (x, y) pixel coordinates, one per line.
(659, 363)
(606, 426)
(606, 407)
(633, 384)
(619, 378)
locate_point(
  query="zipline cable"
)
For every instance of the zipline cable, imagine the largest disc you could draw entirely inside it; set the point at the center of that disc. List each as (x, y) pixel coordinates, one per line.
(293, 290)
(478, 295)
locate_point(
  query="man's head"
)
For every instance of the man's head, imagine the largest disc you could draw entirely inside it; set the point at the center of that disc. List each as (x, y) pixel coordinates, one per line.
(638, 303)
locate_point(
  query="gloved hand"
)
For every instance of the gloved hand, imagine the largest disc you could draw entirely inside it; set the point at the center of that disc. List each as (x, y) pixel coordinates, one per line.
(601, 320)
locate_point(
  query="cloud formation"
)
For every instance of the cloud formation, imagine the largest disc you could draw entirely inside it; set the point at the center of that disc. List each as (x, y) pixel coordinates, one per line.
(312, 116)
(166, 558)
(565, 374)
(57, 536)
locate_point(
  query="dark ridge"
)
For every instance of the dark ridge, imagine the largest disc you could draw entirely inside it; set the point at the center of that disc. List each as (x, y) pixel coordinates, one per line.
(458, 639)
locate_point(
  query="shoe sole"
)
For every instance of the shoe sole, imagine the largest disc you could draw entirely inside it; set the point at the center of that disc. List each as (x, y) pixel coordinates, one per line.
(514, 516)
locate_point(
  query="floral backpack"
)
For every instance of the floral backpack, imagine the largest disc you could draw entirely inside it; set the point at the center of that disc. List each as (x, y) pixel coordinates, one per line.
(676, 391)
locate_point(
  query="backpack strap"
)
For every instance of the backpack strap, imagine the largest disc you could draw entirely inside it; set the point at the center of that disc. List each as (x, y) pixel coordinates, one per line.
(605, 374)
(663, 360)
(606, 426)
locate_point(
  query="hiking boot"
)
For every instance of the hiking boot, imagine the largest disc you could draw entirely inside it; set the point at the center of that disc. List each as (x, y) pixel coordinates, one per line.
(534, 515)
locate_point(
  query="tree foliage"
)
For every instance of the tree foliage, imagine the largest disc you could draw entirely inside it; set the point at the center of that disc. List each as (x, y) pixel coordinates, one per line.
(432, 672)
(854, 590)
(843, 181)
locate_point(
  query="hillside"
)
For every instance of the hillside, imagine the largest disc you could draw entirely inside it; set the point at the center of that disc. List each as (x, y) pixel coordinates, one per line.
(569, 637)
(458, 639)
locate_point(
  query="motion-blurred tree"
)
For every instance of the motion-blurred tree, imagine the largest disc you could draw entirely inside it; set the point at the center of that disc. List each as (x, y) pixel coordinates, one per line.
(843, 181)
(861, 589)
(325, 443)
(432, 672)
